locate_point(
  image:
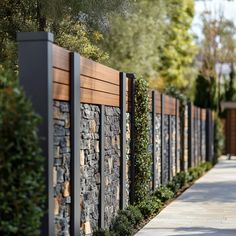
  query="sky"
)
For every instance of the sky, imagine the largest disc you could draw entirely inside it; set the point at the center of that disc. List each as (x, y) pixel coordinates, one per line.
(228, 8)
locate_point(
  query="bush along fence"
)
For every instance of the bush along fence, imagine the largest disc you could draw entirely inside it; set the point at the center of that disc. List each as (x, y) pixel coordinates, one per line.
(91, 135)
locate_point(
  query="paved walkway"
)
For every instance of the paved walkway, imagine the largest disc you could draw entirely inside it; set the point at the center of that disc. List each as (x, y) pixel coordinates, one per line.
(207, 208)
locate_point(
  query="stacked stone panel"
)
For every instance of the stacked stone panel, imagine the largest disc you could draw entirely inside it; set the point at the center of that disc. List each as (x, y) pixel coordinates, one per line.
(112, 163)
(90, 168)
(61, 168)
(166, 149)
(158, 148)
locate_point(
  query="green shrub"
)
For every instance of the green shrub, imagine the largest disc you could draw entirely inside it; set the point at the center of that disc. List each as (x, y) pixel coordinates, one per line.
(133, 214)
(178, 181)
(149, 206)
(21, 166)
(122, 226)
(103, 232)
(164, 193)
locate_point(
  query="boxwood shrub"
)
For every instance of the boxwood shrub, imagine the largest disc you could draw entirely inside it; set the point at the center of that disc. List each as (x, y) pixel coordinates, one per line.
(21, 165)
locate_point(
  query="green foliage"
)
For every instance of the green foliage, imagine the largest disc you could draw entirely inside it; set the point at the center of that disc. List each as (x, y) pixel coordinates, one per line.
(179, 50)
(178, 181)
(205, 92)
(133, 40)
(154, 42)
(149, 206)
(75, 36)
(164, 193)
(69, 20)
(133, 214)
(142, 156)
(103, 232)
(122, 225)
(21, 166)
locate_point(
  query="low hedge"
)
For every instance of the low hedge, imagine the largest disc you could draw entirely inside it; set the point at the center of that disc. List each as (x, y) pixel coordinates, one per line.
(127, 220)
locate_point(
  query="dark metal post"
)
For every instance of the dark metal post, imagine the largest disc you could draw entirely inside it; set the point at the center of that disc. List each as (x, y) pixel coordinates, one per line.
(201, 135)
(102, 167)
(190, 134)
(176, 134)
(36, 77)
(162, 137)
(132, 139)
(154, 154)
(123, 139)
(209, 136)
(75, 143)
(170, 161)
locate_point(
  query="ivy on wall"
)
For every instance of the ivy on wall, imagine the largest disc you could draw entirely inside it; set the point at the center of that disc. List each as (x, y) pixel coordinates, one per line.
(142, 156)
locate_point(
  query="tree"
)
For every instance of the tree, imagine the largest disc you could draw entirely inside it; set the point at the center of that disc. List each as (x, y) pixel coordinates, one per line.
(54, 15)
(133, 41)
(153, 40)
(178, 52)
(217, 50)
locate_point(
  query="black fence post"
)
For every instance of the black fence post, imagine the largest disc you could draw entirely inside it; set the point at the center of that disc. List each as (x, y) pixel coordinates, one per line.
(208, 135)
(201, 136)
(154, 153)
(176, 135)
(162, 137)
(183, 125)
(190, 136)
(123, 139)
(132, 137)
(102, 167)
(36, 77)
(170, 160)
(75, 143)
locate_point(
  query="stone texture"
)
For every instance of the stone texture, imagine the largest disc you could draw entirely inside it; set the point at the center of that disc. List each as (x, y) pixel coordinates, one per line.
(158, 148)
(112, 163)
(166, 149)
(61, 169)
(203, 138)
(172, 145)
(128, 158)
(89, 161)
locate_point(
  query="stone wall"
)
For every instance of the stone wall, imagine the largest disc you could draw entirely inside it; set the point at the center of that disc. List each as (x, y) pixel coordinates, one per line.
(112, 163)
(203, 143)
(173, 146)
(128, 157)
(89, 167)
(61, 169)
(158, 148)
(90, 161)
(185, 138)
(166, 149)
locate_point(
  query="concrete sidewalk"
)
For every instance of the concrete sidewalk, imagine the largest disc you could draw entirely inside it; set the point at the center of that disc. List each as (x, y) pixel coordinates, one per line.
(207, 208)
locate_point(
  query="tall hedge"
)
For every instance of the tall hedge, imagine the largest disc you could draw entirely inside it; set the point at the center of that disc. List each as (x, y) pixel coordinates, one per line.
(21, 165)
(142, 156)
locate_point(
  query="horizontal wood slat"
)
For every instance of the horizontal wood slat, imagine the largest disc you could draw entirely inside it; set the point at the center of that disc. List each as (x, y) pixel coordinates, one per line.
(60, 58)
(61, 92)
(99, 85)
(96, 70)
(97, 97)
(170, 106)
(61, 76)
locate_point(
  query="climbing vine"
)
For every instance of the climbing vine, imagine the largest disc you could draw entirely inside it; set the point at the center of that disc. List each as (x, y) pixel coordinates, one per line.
(142, 156)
